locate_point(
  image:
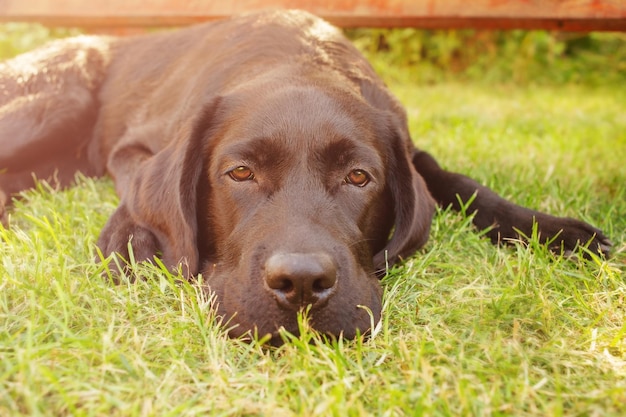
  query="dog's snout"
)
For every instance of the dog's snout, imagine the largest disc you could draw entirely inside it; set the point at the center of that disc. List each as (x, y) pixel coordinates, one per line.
(298, 279)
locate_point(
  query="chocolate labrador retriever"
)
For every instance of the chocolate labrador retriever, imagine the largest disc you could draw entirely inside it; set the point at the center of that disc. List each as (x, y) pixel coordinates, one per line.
(261, 151)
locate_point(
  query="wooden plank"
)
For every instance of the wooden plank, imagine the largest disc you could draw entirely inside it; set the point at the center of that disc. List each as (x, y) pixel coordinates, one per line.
(580, 15)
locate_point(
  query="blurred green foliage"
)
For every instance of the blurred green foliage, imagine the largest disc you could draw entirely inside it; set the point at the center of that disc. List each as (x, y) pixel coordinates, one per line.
(436, 56)
(16, 38)
(496, 56)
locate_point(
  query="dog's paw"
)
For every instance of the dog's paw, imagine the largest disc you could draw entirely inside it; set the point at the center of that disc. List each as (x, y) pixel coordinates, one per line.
(567, 236)
(128, 242)
(562, 235)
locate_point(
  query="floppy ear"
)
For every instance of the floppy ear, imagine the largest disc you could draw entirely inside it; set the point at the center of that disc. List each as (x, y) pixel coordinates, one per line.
(413, 204)
(158, 213)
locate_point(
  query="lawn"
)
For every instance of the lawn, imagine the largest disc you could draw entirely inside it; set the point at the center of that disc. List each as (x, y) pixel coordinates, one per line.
(467, 328)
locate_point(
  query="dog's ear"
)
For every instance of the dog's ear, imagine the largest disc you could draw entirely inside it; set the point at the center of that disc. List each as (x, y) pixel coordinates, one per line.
(413, 205)
(158, 213)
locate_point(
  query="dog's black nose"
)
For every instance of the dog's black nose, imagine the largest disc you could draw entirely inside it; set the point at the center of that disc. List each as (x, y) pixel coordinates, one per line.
(301, 279)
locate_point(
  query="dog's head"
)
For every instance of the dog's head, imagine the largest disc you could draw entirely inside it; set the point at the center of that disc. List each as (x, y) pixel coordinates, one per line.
(305, 194)
(295, 197)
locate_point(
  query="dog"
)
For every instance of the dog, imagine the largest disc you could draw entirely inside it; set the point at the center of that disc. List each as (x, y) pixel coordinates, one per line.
(261, 151)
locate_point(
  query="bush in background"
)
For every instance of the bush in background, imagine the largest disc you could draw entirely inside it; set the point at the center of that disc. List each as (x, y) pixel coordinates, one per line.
(498, 56)
(443, 55)
(16, 38)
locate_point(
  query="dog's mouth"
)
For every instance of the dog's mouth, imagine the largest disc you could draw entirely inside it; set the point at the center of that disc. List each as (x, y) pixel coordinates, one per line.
(282, 295)
(303, 332)
(278, 326)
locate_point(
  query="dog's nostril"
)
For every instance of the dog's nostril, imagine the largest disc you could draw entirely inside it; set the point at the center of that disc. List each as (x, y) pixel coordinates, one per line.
(324, 283)
(297, 280)
(281, 284)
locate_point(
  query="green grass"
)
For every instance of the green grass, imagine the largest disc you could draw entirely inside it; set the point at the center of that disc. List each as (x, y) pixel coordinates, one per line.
(467, 329)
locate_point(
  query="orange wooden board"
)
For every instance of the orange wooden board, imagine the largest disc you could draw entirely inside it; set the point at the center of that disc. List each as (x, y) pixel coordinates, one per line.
(489, 14)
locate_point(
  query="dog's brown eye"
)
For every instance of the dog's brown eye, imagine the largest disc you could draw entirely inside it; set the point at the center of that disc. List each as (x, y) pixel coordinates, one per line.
(241, 173)
(358, 177)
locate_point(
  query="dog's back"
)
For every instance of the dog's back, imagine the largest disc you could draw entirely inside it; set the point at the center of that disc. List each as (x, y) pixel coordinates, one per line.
(48, 108)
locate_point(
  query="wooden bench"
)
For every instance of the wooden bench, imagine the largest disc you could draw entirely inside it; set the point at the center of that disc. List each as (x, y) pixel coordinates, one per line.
(568, 15)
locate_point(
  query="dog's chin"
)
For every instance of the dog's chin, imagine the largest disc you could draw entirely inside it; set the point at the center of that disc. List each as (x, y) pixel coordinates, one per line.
(282, 327)
(249, 311)
(282, 335)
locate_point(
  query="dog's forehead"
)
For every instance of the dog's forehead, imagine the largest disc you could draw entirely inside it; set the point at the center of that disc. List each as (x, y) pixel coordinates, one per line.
(311, 115)
(302, 128)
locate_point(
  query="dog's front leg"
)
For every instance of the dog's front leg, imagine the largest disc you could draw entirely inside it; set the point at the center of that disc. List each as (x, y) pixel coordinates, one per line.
(504, 220)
